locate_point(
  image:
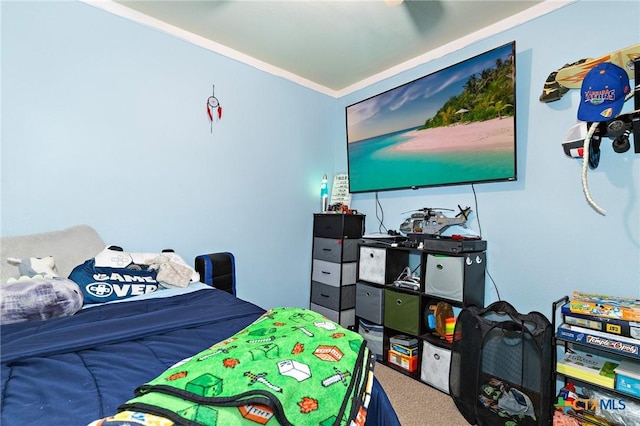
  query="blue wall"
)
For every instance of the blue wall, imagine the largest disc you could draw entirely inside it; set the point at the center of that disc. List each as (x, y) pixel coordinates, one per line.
(104, 122)
(544, 240)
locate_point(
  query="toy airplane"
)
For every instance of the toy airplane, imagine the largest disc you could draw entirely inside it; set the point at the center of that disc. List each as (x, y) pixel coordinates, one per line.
(432, 221)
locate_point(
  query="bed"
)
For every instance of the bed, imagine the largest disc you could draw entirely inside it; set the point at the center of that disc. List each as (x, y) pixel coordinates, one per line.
(75, 369)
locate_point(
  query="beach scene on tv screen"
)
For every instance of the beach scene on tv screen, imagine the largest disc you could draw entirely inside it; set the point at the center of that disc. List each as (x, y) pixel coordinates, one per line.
(453, 126)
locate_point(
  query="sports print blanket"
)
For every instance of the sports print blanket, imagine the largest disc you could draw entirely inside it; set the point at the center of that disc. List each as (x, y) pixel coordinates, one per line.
(290, 367)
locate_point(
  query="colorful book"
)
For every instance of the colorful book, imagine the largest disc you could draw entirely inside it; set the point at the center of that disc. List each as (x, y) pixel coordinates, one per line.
(405, 350)
(600, 340)
(609, 325)
(589, 368)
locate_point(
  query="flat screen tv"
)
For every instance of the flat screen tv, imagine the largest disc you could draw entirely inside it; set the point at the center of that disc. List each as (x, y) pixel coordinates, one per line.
(452, 127)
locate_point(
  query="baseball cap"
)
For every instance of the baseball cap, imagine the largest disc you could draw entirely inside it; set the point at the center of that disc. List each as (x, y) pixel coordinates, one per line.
(603, 92)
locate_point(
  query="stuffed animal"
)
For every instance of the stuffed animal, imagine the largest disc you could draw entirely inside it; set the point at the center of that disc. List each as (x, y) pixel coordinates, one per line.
(38, 294)
(38, 299)
(32, 266)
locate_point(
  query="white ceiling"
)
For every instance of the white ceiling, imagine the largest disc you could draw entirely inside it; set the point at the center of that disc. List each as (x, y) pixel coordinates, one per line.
(331, 46)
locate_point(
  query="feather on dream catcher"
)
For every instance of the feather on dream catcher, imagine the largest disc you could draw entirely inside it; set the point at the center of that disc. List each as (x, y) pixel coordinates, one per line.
(214, 110)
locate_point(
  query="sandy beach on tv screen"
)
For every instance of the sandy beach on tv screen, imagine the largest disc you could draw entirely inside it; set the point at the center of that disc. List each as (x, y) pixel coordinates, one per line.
(493, 134)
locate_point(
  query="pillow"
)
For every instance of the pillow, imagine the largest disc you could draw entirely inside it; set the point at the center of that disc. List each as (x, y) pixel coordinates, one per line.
(179, 273)
(101, 284)
(69, 247)
(114, 274)
(38, 298)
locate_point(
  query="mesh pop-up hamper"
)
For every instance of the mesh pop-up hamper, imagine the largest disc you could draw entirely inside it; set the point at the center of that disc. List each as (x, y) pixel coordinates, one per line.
(500, 372)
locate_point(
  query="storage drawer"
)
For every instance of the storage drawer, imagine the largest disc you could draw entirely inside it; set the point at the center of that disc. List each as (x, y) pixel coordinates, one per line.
(460, 279)
(370, 302)
(335, 250)
(373, 334)
(345, 318)
(381, 265)
(434, 369)
(372, 264)
(334, 274)
(336, 298)
(338, 225)
(444, 276)
(402, 312)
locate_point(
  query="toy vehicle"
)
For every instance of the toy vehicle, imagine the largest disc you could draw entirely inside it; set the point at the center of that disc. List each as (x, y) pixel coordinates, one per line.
(407, 280)
(432, 221)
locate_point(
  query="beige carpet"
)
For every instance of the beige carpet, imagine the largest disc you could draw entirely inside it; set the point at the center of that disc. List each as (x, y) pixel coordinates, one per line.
(416, 403)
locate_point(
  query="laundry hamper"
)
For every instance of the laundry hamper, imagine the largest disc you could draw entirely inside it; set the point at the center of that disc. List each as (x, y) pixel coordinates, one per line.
(501, 366)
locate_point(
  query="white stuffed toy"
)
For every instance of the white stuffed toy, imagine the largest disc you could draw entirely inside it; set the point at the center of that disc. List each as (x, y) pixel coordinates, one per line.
(31, 266)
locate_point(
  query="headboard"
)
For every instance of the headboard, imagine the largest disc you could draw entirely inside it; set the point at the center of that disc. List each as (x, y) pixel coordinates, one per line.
(73, 246)
(218, 270)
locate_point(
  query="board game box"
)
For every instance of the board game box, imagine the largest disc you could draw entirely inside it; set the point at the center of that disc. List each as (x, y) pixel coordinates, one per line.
(600, 340)
(609, 325)
(601, 305)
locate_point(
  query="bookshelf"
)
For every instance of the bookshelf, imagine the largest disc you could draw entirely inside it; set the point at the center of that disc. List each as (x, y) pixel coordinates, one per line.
(599, 353)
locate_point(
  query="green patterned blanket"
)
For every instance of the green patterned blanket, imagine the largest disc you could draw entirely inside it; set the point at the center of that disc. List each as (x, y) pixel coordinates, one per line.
(290, 367)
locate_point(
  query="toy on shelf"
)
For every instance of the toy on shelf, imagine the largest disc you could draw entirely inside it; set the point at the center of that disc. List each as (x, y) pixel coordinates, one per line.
(432, 221)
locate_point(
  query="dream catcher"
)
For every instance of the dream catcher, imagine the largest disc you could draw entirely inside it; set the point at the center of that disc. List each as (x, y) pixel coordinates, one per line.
(214, 110)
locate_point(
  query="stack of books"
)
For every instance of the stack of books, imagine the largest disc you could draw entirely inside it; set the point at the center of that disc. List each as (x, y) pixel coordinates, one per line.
(588, 367)
(603, 322)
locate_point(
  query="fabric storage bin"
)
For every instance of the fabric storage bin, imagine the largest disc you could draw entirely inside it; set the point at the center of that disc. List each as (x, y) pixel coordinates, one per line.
(381, 265)
(372, 264)
(328, 249)
(402, 311)
(456, 278)
(335, 250)
(434, 369)
(330, 273)
(336, 298)
(345, 318)
(338, 225)
(370, 302)
(444, 276)
(372, 333)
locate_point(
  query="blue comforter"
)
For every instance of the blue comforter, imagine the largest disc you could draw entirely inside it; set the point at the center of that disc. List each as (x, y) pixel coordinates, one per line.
(76, 369)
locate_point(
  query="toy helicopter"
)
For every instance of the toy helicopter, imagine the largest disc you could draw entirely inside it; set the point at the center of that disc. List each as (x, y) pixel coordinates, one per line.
(432, 221)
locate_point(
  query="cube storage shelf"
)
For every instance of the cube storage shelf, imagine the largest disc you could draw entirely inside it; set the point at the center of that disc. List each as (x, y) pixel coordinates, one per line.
(455, 278)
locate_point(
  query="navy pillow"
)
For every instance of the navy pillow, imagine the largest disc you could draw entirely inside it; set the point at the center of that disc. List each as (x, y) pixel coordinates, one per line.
(101, 284)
